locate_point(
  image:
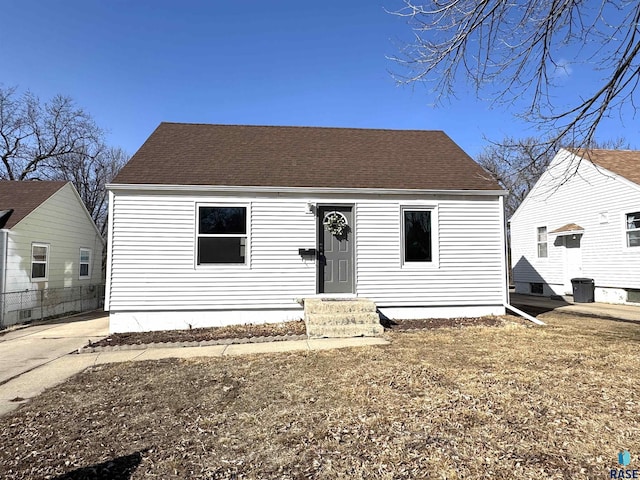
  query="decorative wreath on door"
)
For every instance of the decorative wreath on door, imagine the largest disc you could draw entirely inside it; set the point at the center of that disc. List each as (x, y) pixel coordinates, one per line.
(335, 223)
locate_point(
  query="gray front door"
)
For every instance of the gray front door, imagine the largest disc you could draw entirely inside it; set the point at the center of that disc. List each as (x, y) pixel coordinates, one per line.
(335, 259)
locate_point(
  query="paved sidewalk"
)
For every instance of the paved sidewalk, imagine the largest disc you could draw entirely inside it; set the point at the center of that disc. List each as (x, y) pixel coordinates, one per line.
(34, 382)
(535, 305)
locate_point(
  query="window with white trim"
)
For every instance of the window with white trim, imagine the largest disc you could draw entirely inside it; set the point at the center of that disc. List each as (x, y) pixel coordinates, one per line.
(85, 263)
(633, 229)
(542, 242)
(221, 234)
(417, 235)
(39, 261)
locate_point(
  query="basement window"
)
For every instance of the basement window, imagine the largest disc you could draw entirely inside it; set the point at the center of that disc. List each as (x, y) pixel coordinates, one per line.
(633, 295)
(221, 235)
(536, 288)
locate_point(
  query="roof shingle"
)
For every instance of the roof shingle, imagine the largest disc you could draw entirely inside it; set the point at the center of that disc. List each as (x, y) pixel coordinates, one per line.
(24, 197)
(625, 163)
(262, 156)
(568, 228)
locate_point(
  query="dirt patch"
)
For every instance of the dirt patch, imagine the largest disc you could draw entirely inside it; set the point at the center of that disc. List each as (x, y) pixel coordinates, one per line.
(204, 334)
(282, 329)
(431, 323)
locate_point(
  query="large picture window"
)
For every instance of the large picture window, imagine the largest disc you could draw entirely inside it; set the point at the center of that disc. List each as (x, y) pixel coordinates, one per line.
(417, 236)
(222, 234)
(542, 242)
(633, 229)
(39, 261)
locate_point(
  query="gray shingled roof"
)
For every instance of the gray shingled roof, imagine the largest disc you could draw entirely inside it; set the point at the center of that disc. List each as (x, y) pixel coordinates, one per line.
(235, 155)
(24, 197)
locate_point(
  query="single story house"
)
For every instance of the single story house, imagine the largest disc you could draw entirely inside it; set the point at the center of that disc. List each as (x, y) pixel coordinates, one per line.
(48, 241)
(581, 220)
(223, 224)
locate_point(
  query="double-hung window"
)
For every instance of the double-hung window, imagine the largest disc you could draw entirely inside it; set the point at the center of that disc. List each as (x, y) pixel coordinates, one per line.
(221, 234)
(417, 236)
(633, 229)
(85, 263)
(542, 242)
(39, 261)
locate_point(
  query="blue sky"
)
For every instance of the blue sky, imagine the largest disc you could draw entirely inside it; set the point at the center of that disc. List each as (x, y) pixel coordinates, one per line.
(133, 64)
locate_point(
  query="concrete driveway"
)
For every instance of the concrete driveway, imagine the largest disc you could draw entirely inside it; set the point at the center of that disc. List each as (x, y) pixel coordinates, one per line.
(24, 349)
(535, 305)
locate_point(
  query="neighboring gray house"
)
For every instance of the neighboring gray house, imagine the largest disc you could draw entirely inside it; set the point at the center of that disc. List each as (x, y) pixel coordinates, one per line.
(47, 241)
(215, 225)
(581, 219)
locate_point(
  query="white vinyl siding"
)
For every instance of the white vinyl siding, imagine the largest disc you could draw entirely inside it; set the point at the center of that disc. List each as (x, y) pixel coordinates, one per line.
(467, 249)
(62, 223)
(153, 266)
(597, 201)
(153, 263)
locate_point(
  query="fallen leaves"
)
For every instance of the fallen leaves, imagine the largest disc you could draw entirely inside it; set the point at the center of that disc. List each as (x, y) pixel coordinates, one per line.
(472, 402)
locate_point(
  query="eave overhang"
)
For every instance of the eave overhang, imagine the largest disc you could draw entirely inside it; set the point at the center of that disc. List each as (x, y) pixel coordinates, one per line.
(115, 187)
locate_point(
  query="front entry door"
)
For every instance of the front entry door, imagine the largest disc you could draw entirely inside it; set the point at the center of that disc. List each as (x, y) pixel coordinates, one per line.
(572, 261)
(335, 248)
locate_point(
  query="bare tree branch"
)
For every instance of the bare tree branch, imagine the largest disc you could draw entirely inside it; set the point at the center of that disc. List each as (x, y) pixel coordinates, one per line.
(56, 140)
(514, 50)
(33, 132)
(89, 172)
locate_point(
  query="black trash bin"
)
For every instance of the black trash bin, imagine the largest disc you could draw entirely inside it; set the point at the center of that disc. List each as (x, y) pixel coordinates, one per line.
(583, 289)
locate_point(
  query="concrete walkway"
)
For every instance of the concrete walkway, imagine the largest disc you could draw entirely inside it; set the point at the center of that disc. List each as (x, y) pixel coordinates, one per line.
(39, 365)
(25, 348)
(535, 305)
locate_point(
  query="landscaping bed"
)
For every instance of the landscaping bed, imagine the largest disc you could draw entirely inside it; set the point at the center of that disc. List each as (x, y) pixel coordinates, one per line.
(283, 330)
(431, 323)
(293, 328)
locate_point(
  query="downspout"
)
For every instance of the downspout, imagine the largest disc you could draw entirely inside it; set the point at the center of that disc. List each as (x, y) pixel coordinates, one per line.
(523, 314)
(109, 246)
(505, 255)
(4, 239)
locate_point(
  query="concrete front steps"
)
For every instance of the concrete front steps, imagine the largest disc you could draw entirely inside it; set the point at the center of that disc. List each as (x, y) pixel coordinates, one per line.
(340, 317)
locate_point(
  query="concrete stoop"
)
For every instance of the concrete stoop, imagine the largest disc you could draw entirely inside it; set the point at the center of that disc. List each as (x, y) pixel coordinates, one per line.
(339, 318)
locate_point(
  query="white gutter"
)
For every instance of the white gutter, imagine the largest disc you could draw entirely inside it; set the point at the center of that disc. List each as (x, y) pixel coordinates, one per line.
(107, 283)
(505, 265)
(301, 190)
(4, 234)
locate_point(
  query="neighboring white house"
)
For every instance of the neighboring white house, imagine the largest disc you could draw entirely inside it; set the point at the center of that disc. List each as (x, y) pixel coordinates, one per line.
(48, 241)
(213, 225)
(581, 219)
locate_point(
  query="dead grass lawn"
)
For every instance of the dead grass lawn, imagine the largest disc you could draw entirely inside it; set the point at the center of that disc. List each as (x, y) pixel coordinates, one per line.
(476, 402)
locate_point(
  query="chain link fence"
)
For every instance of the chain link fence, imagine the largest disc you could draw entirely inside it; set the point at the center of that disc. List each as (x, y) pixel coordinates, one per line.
(29, 305)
